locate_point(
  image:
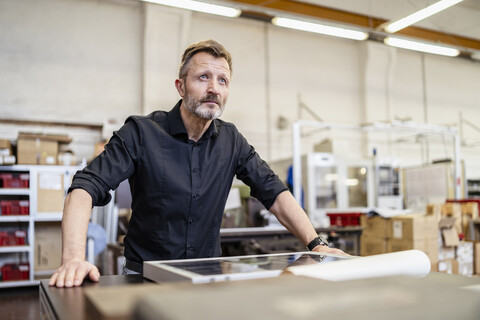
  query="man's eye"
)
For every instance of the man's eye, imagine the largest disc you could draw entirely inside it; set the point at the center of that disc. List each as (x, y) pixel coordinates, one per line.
(223, 81)
(203, 77)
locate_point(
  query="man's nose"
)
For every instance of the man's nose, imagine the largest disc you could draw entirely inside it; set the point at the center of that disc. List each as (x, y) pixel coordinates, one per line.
(213, 87)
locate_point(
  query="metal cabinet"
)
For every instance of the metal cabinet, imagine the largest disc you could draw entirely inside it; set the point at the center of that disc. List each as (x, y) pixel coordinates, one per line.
(336, 185)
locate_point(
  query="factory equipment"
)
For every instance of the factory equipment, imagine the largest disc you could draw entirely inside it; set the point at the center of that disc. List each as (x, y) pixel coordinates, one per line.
(388, 183)
(337, 185)
(399, 126)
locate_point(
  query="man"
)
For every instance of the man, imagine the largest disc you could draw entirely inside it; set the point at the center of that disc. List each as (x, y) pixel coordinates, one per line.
(180, 165)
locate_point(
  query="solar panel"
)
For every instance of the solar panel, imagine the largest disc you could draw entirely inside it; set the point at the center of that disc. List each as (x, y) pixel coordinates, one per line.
(231, 268)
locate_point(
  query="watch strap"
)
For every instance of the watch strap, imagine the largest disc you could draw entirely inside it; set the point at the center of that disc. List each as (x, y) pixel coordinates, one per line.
(316, 242)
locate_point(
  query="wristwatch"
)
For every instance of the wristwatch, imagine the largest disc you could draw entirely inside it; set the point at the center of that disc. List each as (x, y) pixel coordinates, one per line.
(316, 242)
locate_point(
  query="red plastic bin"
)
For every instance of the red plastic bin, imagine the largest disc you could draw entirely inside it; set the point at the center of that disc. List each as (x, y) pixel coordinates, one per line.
(15, 180)
(13, 238)
(344, 219)
(15, 207)
(15, 272)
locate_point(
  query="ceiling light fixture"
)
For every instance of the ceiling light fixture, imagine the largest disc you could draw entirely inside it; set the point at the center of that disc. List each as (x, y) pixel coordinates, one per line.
(421, 46)
(397, 25)
(320, 28)
(200, 7)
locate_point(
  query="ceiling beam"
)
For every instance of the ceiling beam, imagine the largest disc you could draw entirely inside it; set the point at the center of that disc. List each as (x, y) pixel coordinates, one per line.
(364, 21)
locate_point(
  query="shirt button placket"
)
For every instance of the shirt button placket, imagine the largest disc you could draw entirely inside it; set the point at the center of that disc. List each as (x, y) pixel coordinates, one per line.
(195, 197)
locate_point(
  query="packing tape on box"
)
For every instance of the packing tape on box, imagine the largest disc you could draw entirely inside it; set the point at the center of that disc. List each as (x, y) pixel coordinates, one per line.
(414, 263)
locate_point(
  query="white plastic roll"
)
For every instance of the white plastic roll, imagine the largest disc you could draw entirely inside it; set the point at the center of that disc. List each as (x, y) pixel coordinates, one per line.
(413, 263)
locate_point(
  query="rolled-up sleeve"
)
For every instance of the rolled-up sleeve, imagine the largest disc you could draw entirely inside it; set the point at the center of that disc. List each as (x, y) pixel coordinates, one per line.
(115, 164)
(265, 185)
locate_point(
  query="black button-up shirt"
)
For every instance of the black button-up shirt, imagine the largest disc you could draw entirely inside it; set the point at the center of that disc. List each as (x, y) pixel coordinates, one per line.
(179, 187)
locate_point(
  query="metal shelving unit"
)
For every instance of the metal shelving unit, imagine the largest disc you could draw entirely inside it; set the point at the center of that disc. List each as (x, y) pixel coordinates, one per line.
(26, 253)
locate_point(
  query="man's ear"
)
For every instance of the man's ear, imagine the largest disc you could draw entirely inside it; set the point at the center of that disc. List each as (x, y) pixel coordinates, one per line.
(180, 85)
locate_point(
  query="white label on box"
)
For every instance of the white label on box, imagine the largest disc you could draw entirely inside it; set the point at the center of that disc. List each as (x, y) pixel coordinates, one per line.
(20, 234)
(442, 266)
(50, 181)
(397, 230)
(50, 160)
(9, 159)
(23, 268)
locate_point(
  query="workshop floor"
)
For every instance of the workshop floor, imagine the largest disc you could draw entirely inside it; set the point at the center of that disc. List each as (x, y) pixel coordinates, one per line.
(20, 303)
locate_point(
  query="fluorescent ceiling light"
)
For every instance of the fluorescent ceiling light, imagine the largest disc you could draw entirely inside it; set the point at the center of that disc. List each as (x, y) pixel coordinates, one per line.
(200, 7)
(419, 15)
(320, 28)
(421, 46)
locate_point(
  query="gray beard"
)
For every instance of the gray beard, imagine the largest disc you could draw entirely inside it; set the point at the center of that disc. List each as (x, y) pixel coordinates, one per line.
(195, 107)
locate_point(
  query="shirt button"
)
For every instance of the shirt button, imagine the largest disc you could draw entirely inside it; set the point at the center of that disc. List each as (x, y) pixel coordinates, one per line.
(190, 221)
(195, 196)
(194, 170)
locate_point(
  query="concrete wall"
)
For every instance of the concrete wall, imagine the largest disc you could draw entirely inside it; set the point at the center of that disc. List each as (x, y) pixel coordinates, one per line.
(90, 61)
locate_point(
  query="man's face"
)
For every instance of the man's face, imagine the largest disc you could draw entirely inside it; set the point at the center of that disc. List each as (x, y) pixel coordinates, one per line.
(205, 88)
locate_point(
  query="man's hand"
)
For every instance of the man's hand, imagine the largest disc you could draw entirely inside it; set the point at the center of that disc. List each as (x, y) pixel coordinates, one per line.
(325, 249)
(72, 274)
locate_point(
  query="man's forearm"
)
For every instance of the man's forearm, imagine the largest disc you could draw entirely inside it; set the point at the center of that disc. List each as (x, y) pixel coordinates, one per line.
(292, 216)
(76, 215)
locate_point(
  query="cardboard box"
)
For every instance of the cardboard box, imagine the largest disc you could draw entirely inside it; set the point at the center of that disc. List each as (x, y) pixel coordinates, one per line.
(434, 210)
(376, 226)
(449, 232)
(470, 209)
(445, 253)
(429, 246)
(5, 144)
(66, 158)
(48, 245)
(370, 245)
(51, 192)
(464, 253)
(413, 227)
(5, 147)
(448, 266)
(36, 151)
(476, 257)
(8, 160)
(469, 212)
(453, 210)
(39, 148)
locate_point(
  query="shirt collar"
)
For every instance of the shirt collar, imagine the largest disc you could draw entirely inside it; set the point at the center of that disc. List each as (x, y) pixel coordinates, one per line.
(175, 121)
(177, 127)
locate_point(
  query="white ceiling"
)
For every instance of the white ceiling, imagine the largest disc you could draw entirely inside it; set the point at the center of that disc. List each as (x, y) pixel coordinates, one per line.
(462, 19)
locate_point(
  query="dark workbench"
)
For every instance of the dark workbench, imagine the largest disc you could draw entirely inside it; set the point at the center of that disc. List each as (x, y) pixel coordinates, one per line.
(69, 303)
(438, 296)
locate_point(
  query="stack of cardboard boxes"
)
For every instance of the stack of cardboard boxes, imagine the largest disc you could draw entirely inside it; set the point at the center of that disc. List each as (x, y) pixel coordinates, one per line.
(439, 233)
(42, 149)
(36, 148)
(459, 251)
(406, 232)
(6, 154)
